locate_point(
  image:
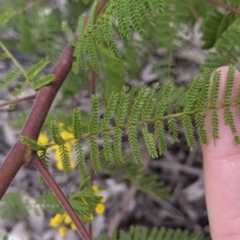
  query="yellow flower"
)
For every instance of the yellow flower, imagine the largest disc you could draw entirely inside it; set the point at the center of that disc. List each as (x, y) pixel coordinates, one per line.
(95, 188)
(100, 208)
(73, 164)
(56, 220)
(67, 219)
(72, 226)
(66, 135)
(60, 166)
(43, 138)
(62, 231)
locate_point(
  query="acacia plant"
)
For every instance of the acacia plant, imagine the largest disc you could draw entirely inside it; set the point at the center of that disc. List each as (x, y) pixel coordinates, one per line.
(108, 40)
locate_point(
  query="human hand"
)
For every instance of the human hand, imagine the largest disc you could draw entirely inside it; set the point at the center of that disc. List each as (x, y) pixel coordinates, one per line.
(222, 172)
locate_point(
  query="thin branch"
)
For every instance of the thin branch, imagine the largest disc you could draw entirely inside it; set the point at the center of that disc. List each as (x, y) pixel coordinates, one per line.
(18, 100)
(37, 163)
(225, 6)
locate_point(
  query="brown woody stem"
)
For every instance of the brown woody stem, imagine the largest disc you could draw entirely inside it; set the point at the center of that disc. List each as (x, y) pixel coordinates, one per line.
(37, 163)
(18, 100)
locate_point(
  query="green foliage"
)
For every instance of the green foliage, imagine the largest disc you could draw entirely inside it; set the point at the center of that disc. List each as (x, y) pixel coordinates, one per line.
(90, 34)
(31, 75)
(32, 144)
(5, 17)
(14, 206)
(214, 25)
(134, 112)
(64, 153)
(138, 176)
(142, 233)
(84, 200)
(149, 112)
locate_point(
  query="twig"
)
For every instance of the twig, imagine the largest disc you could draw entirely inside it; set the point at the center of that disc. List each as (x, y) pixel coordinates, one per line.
(227, 7)
(36, 162)
(18, 100)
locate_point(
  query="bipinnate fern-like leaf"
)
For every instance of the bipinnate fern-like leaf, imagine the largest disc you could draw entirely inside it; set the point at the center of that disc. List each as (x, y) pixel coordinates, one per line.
(214, 89)
(78, 132)
(32, 144)
(107, 146)
(6, 16)
(77, 123)
(123, 22)
(173, 129)
(93, 123)
(80, 47)
(137, 175)
(162, 143)
(214, 25)
(30, 75)
(156, 6)
(132, 138)
(92, 51)
(130, 16)
(188, 130)
(215, 124)
(117, 145)
(84, 200)
(150, 108)
(112, 103)
(227, 48)
(57, 138)
(3, 56)
(12, 76)
(200, 123)
(95, 154)
(63, 150)
(203, 96)
(192, 94)
(65, 158)
(37, 68)
(138, 103)
(14, 206)
(161, 108)
(44, 157)
(229, 85)
(122, 107)
(43, 81)
(142, 233)
(149, 142)
(81, 162)
(68, 32)
(135, 16)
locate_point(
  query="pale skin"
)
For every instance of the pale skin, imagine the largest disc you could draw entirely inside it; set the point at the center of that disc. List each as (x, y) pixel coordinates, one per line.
(222, 172)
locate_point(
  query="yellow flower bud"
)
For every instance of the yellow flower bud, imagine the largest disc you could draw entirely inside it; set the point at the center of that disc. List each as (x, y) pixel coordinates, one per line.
(62, 231)
(100, 208)
(95, 188)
